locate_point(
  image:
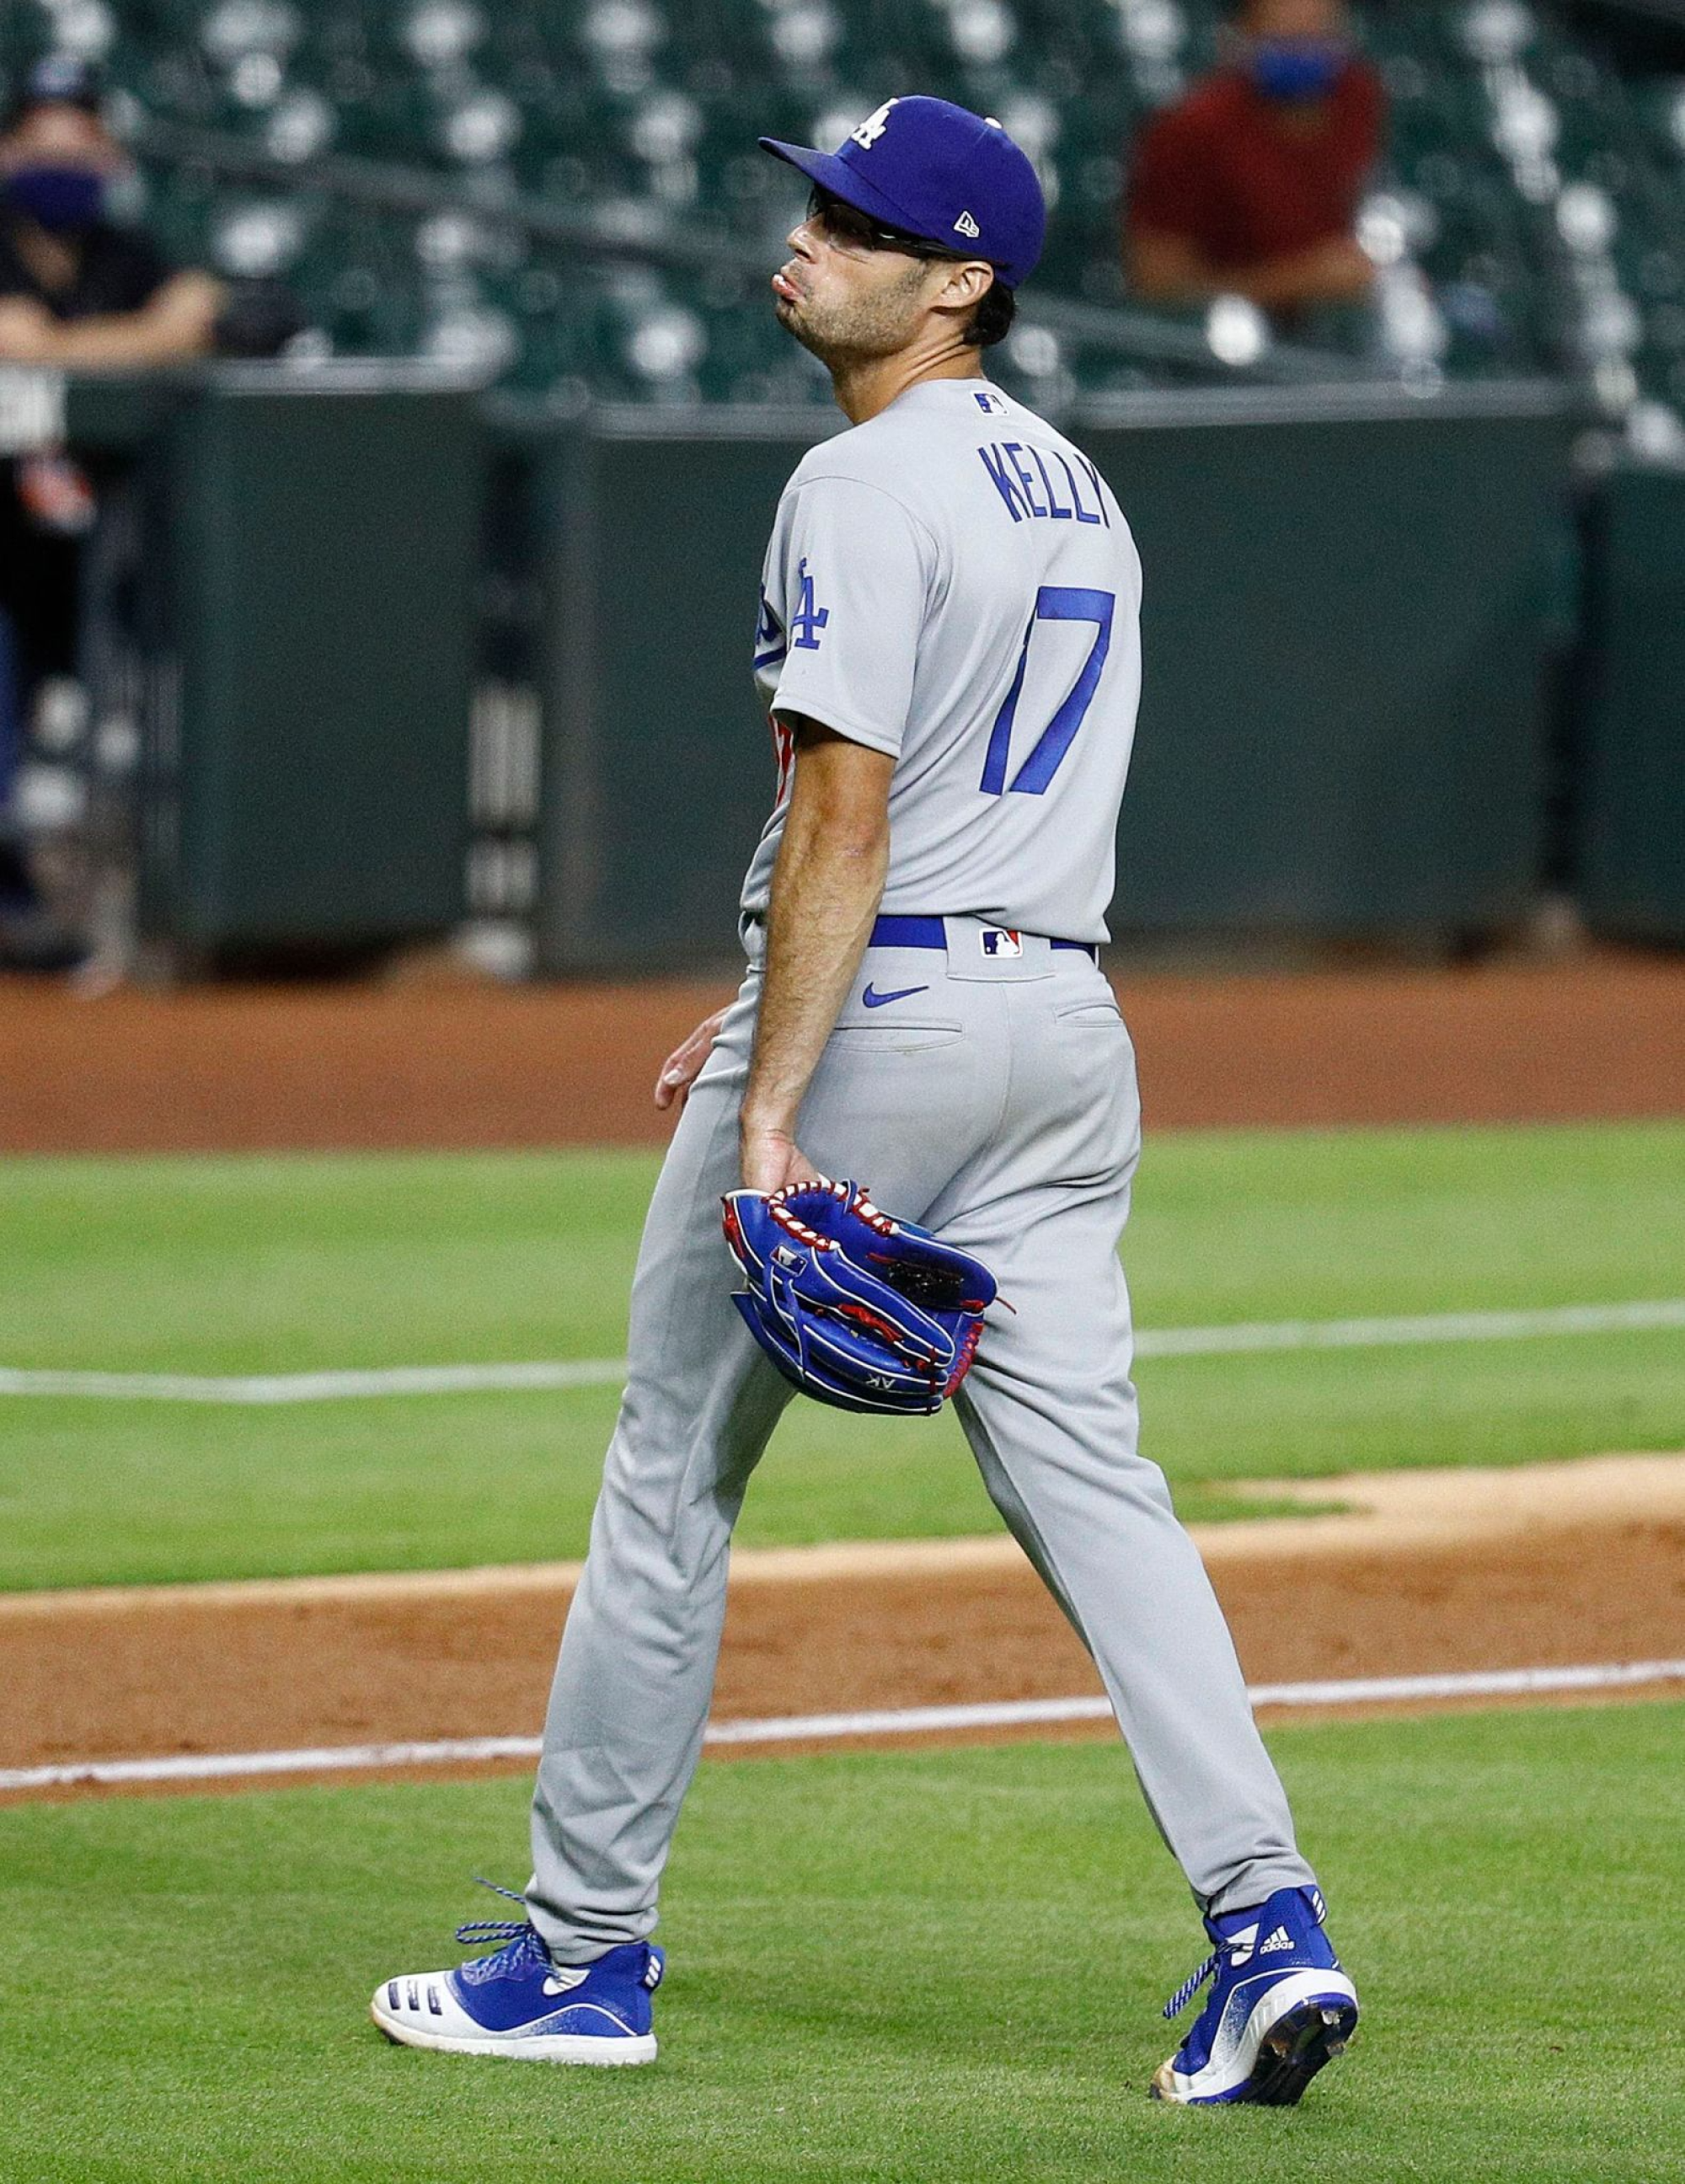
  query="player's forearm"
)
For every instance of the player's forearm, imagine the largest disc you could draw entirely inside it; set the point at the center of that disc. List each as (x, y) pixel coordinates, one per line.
(825, 890)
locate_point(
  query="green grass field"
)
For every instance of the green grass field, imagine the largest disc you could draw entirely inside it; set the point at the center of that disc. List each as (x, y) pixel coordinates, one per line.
(888, 1966)
(940, 1965)
(270, 1265)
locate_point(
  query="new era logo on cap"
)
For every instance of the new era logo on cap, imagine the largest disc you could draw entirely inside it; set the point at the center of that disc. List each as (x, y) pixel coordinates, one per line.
(967, 226)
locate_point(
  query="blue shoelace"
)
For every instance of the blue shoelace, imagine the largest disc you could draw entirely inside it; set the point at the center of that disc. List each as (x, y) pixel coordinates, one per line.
(478, 1932)
(1191, 1987)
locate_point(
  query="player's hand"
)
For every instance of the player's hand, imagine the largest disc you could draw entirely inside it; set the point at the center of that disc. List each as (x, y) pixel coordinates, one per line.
(772, 1158)
(683, 1066)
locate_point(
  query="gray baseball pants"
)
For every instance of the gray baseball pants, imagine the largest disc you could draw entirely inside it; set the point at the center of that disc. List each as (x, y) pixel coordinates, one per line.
(996, 1103)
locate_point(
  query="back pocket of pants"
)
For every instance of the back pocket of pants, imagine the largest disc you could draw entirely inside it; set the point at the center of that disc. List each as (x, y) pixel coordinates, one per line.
(900, 1036)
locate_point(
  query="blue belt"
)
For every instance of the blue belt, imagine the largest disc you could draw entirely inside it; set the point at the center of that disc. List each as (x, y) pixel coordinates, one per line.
(931, 933)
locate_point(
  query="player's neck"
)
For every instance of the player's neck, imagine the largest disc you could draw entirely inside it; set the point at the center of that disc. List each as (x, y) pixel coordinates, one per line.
(866, 385)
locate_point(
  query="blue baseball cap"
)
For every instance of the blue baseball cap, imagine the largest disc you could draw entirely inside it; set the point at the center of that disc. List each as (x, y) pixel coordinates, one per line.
(938, 172)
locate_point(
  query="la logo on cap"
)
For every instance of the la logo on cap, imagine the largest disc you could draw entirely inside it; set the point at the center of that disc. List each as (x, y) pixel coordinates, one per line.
(873, 126)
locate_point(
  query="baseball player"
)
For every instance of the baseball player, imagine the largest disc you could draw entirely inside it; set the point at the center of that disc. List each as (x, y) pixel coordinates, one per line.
(948, 646)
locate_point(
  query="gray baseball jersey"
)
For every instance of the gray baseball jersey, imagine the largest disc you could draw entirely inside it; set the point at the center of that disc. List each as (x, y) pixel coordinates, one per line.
(953, 583)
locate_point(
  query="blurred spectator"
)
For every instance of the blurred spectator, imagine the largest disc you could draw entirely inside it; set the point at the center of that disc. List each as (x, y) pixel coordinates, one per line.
(76, 289)
(1250, 185)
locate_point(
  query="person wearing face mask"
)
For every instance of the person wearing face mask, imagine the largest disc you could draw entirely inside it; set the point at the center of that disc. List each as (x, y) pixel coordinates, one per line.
(1250, 185)
(78, 291)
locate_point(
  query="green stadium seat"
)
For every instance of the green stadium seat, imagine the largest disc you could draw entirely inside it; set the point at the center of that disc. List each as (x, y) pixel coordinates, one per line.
(1494, 110)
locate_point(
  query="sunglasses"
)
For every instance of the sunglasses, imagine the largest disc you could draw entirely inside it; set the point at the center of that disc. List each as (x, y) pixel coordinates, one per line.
(852, 229)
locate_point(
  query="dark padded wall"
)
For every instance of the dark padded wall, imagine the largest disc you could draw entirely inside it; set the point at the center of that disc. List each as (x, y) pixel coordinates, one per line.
(307, 759)
(660, 769)
(1630, 810)
(1342, 728)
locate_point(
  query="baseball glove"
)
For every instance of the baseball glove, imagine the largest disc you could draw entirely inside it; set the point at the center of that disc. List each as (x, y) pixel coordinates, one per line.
(854, 1308)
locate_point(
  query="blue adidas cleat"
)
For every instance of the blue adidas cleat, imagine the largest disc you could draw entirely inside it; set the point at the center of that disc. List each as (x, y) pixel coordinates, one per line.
(1280, 2009)
(518, 2002)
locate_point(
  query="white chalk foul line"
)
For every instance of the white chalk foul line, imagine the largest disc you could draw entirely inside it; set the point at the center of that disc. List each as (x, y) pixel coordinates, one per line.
(1431, 1327)
(1425, 1328)
(318, 1387)
(822, 1728)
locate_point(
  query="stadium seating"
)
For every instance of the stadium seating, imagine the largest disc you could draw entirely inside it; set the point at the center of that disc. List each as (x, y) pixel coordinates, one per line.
(1531, 216)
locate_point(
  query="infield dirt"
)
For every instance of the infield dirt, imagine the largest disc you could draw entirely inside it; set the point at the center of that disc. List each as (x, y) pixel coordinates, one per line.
(220, 1069)
(1553, 1565)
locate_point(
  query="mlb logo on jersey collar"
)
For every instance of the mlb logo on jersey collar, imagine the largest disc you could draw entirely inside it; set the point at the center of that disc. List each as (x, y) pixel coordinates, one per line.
(999, 940)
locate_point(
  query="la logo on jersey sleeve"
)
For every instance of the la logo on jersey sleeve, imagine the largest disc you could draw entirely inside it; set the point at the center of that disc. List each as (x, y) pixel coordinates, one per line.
(809, 618)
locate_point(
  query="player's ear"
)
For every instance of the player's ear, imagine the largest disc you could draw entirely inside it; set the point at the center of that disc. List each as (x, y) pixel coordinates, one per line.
(965, 285)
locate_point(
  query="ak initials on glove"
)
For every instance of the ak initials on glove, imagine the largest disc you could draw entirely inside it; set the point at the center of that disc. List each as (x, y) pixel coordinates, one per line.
(854, 1308)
